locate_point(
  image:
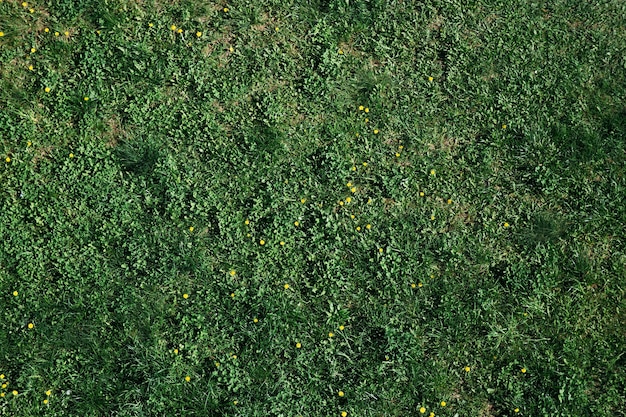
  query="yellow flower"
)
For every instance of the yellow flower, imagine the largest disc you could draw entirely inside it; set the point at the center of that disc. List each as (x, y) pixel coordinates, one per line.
(225, 9)
(198, 34)
(45, 401)
(422, 410)
(255, 320)
(56, 33)
(376, 131)
(14, 392)
(358, 228)
(348, 199)
(296, 223)
(187, 378)
(344, 414)
(413, 285)
(397, 155)
(432, 172)
(380, 250)
(367, 120)
(449, 201)
(506, 224)
(179, 31)
(49, 393)
(4, 386)
(341, 327)
(185, 295)
(353, 168)
(175, 351)
(33, 50)
(364, 164)
(24, 4)
(303, 200)
(340, 52)
(432, 217)
(14, 292)
(340, 203)
(331, 334)
(503, 126)
(276, 29)
(235, 402)
(71, 155)
(247, 222)
(47, 89)
(361, 108)
(369, 226)
(232, 295)
(286, 286)
(443, 403)
(232, 273)
(231, 49)
(431, 414)
(46, 30)
(298, 345)
(1, 34)
(217, 364)
(86, 98)
(353, 189)
(282, 243)
(349, 184)
(234, 356)
(31, 325)
(467, 369)
(352, 216)
(261, 242)
(173, 27)
(367, 110)
(2, 377)
(421, 193)
(369, 201)
(150, 25)
(523, 370)
(66, 33)
(516, 410)
(2, 394)
(430, 78)
(8, 159)
(420, 285)
(30, 68)
(341, 393)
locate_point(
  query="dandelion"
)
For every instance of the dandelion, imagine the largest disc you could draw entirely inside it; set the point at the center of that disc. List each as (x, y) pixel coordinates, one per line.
(341, 327)
(4, 386)
(247, 222)
(30, 68)
(431, 414)
(503, 127)
(235, 402)
(187, 378)
(523, 370)
(1, 34)
(276, 29)
(296, 223)
(24, 4)
(358, 228)
(353, 168)
(397, 155)
(506, 224)
(340, 203)
(45, 401)
(86, 98)
(352, 216)
(361, 108)
(422, 410)
(367, 120)
(179, 31)
(198, 34)
(432, 172)
(232, 295)
(516, 410)
(341, 394)
(413, 285)
(348, 199)
(449, 201)
(344, 414)
(234, 356)
(15, 293)
(232, 273)
(443, 403)
(49, 393)
(33, 50)
(47, 89)
(255, 320)
(349, 184)
(421, 193)
(1, 394)
(353, 189)
(368, 227)
(364, 164)
(2, 377)
(380, 250)
(71, 155)
(331, 334)
(175, 351)
(217, 364)
(298, 345)
(225, 9)
(231, 49)
(282, 243)
(261, 242)
(286, 286)
(367, 110)
(31, 325)
(66, 33)
(376, 131)
(430, 79)
(150, 25)
(432, 217)
(46, 30)
(303, 200)
(420, 285)
(340, 52)
(185, 296)
(56, 33)
(8, 159)
(15, 392)
(467, 369)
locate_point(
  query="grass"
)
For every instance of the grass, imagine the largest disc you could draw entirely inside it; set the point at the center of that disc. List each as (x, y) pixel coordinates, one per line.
(459, 237)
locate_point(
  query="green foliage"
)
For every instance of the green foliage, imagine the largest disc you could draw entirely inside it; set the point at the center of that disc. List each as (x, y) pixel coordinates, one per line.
(408, 203)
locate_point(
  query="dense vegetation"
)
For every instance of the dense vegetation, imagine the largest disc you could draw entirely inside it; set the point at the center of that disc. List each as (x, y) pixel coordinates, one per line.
(312, 208)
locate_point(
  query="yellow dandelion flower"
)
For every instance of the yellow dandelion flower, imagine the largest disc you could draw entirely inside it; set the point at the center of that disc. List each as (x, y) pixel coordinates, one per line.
(15, 293)
(185, 295)
(49, 393)
(198, 34)
(361, 108)
(344, 414)
(45, 401)
(449, 201)
(523, 370)
(422, 410)
(430, 78)
(15, 392)
(231, 49)
(261, 242)
(56, 33)
(413, 285)
(503, 126)
(353, 189)
(71, 155)
(367, 120)
(47, 89)
(225, 9)
(296, 223)
(397, 155)
(431, 414)
(2, 377)
(369, 226)
(179, 31)
(353, 168)
(86, 98)
(303, 200)
(235, 402)
(234, 356)
(349, 184)
(420, 285)
(286, 286)
(421, 193)
(173, 27)
(352, 216)
(1, 394)
(8, 159)
(150, 25)
(31, 325)
(340, 52)
(340, 203)
(232, 273)
(282, 243)
(369, 201)
(341, 327)
(175, 351)
(33, 50)
(276, 29)
(348, 199)
(443, 403)
(24, 4)
(516, 410)
(298, 345)
(187, 378)
(358, 228)
(432, 217)
(331, 334)
(506, 224)
(376, 131)
(247, 222)
(66, 33)
(1, 34)
(364, 164)
(380, 250)
(46, 30)
(217, 364)
(232, 295)
(4, 386)
(467, 369)
(367, 110)
(30, 68)
(432, 172)
(340, 393)
(255, 320)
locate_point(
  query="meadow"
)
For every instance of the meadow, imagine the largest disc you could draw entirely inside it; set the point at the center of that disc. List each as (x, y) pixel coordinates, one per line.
(312, 208)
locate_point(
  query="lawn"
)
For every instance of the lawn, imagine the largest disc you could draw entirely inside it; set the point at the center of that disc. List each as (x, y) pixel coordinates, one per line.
(312, 208)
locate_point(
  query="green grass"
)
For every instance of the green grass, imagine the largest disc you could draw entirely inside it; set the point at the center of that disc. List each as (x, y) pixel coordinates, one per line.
(191, 150)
